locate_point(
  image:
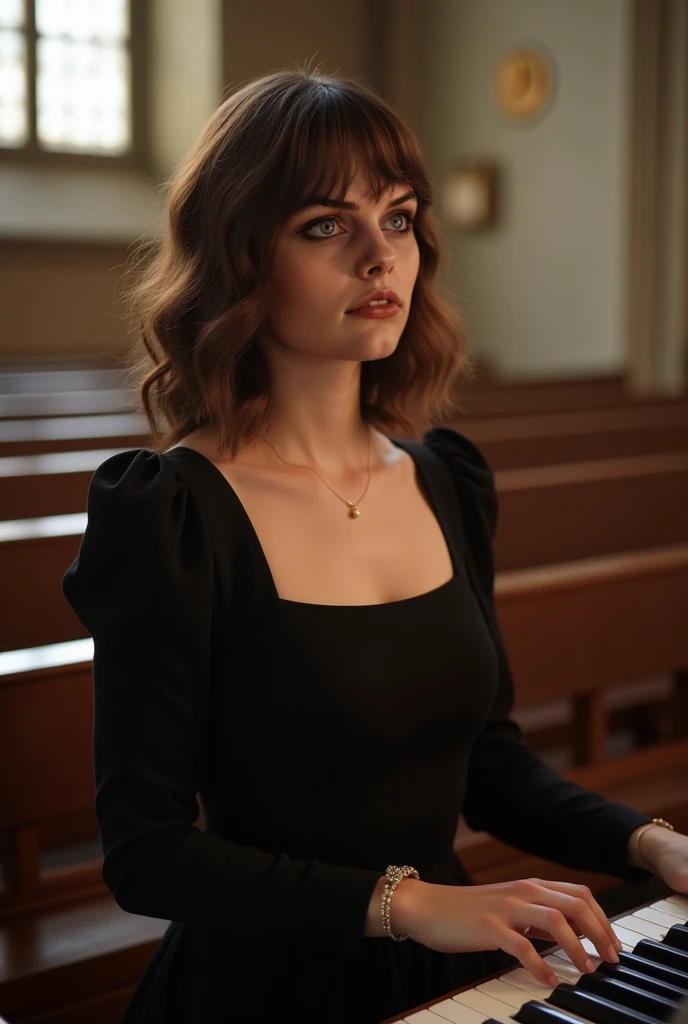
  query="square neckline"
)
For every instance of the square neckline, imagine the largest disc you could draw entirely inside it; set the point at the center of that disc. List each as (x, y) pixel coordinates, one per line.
(288, 602)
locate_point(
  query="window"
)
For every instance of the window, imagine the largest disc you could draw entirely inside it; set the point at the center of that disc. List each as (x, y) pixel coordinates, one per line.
(69, 81)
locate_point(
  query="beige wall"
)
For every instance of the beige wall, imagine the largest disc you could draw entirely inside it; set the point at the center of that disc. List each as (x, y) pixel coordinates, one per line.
(544, 293)
(61, 297)
(263, 36)
(64, 235)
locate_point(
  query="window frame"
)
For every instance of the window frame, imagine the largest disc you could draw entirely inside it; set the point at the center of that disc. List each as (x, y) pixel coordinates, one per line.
(138, 157)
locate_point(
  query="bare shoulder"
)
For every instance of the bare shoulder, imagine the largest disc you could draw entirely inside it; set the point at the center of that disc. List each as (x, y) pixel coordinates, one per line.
(205, 443)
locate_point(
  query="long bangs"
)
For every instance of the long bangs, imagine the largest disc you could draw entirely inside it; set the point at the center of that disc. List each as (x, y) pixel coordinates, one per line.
(330, 136)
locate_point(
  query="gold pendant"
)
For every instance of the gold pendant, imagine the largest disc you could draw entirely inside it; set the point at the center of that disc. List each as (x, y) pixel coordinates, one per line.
(354, 511)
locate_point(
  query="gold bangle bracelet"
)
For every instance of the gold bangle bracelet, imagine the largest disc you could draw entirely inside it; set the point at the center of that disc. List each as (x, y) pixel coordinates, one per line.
(641, 831)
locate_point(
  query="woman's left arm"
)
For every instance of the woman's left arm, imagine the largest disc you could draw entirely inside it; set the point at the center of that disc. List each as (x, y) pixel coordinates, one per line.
(664, 853)
(510, 791)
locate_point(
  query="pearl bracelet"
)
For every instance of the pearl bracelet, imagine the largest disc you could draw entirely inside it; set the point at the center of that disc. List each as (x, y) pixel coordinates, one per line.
(641, 831)
(393, 876)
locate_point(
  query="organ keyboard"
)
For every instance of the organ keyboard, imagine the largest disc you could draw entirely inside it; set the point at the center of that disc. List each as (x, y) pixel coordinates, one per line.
(645, 987)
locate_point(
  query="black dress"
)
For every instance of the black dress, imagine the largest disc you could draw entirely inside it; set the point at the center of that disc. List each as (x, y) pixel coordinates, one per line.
(325, 742)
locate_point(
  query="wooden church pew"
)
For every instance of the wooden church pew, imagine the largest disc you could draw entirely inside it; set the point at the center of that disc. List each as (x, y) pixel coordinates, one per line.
(54, 483)
(67, 450)
(581, 510)
(510, 398)
(39, 435)
(49, 377)
(516, 442)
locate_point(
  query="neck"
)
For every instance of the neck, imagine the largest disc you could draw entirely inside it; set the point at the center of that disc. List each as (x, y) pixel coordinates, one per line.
(336, 458)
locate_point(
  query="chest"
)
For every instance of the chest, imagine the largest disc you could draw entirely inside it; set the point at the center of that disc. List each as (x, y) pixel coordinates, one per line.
(317, 554)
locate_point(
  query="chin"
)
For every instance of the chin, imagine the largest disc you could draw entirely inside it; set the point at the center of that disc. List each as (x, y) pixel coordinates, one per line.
(376, 348)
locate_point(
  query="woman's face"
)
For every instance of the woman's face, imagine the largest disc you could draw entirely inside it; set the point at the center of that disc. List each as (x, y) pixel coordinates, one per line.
(327, 259)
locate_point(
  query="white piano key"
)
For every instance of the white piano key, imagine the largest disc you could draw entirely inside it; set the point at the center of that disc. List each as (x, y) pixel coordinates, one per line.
(525, 997)
(645, 929)
(587, 945)
(561, 955)
(522, 979)
(656, 916)
(671, 909)
(448, 1009)
(434, 1016)
(514, 995)
(565, 971)
(627, 937)
(455, 1013)
(495, 999)
(488, 1005)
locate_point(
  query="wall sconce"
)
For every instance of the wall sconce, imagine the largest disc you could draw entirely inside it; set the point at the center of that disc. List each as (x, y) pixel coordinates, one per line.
(524, 82)
(469, 195)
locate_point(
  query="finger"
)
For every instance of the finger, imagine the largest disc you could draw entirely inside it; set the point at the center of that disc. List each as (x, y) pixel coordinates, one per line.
(518, 946)
(555, 921)
(583, 892)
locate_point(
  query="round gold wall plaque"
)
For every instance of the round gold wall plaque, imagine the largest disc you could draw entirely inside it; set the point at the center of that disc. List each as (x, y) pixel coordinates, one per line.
(523, 83)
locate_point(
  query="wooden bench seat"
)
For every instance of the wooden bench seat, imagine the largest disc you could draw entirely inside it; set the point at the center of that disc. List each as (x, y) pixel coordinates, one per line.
(510, 398)
(67, 403)
(87, 979)
(54, 478)
(49, 376)
(50, 484)
(552, 514)
(516, 442)
(39, 435)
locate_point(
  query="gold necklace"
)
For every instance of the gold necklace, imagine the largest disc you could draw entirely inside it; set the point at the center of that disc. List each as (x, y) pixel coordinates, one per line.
(353, 505)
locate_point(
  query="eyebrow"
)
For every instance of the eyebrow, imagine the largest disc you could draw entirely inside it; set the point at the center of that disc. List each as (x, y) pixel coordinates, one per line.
(342, 204)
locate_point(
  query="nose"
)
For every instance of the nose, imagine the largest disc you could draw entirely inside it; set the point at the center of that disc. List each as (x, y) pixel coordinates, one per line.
(380, 262)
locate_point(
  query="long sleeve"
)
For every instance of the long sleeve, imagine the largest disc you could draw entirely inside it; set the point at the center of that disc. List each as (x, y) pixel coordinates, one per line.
(511, 793)
(143, 586)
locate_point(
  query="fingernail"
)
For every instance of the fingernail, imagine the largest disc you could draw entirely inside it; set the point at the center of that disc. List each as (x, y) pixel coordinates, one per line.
(613, 956)
(553, 981)
(589, 965)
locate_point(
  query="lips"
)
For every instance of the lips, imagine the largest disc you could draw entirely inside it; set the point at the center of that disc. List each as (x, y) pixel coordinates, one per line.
(375, 296)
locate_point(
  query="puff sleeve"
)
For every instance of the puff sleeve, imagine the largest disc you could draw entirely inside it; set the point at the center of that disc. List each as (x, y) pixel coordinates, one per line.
(143, 584)
(510, 792)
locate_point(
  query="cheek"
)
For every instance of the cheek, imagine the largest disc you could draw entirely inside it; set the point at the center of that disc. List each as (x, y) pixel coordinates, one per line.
(301, 281)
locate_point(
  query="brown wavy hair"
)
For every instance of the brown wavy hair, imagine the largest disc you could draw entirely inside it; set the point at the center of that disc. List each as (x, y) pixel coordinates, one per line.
(199, 299)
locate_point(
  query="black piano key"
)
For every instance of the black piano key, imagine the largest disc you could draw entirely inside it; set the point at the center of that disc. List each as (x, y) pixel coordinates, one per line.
(662, 953)
(677, 936)
(643, 981)
(534, 1012)
(596, 1008)
(625, 994)
(649, 967)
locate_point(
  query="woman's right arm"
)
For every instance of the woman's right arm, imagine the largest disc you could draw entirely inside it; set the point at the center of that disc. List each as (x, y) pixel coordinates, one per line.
(142, 585)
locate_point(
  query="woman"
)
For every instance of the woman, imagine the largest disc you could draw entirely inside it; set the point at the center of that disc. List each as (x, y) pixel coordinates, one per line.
(292, 612)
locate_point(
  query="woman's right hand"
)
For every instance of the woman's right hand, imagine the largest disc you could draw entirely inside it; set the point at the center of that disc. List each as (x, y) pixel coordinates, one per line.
(457, 918)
